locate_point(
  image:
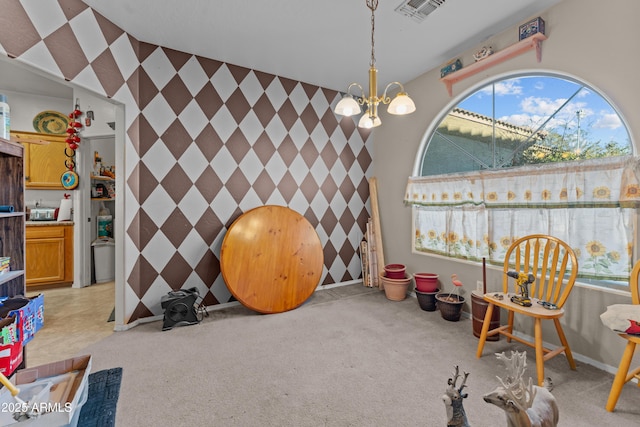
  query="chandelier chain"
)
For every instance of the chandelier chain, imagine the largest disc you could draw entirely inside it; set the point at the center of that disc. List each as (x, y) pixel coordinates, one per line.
(373, 5)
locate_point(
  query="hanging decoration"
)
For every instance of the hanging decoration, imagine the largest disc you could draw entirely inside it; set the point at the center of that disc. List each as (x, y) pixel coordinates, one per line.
(70, 177)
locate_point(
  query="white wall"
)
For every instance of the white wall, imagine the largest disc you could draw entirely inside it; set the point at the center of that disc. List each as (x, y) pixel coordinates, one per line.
(592, 44)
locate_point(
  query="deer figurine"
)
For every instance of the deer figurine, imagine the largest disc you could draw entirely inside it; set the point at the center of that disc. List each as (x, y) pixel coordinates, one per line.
(526, 405)
(452, 397)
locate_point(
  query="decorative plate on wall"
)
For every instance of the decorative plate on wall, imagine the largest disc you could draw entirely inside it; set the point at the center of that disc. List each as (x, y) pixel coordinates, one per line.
(51, 122)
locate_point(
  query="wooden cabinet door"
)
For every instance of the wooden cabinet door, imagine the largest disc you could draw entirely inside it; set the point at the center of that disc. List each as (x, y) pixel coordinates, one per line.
(44, 159)
(45, 255)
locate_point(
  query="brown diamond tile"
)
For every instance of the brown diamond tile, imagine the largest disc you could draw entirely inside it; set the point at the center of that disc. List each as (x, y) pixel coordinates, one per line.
(238, 73)
(176, 183)
(176, 139)
(208, 184)
(176, 57)
(238, 105)
(263, 148)
(311, 217)
(347, 189)
(146, 136)
(348, 126)
(176, 272)
(133, 132)
(146, 88)
(364, 133)
(133, 83)
(238, 145)
(309, 89)
(142, 276)
(66, 51)
(288, 114)
(108, 73)
(209, 142)
(309, 153)
(263, 108)
(309, 118)
(210, 66)
(309, 188)
(331, 95)
(347, 221)
(176, 227)
(363, 189)
(347, 157)
(329, 121)
(147, 229)
(329, 188)
(208, 269)
(210, 299)
(346, 252)
(362, 219)
(176, 94)
(144, 50)
(287, 187)
(264, 78)
(329, 155)
(237, 185)
(264, 186)
(147, 183)
(236, 213)
(72, 8)
(140, 312)
(329, 222)
(209, 101)
(110, 31)
(287, 150)
(17, 33)
(209, 227)
(288, 84)
(364, 159)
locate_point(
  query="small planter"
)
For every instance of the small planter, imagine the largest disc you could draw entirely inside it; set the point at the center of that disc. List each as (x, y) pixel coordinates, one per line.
(395, 271)
(427, 300)
(450, 306)
(426, 282)
(395, 289)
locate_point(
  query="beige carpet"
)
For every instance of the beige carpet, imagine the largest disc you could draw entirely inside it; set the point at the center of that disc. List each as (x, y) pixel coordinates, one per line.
(348, 357)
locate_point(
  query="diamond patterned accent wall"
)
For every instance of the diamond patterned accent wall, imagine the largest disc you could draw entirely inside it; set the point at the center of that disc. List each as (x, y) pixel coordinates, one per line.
(205, 142)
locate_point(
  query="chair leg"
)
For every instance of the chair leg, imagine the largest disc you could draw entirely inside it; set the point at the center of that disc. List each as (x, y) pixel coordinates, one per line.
(621, 375)
(485, 329)
(537, 328)
(510, 324)
(565, 344)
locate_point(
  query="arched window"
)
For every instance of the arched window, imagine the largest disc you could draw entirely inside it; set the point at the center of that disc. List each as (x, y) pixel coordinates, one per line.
(529, 154)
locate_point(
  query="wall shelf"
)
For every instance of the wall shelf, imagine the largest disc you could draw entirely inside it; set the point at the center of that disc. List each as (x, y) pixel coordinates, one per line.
(533, 42)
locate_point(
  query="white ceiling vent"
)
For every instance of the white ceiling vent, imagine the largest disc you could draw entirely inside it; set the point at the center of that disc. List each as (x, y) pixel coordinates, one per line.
(418, 9)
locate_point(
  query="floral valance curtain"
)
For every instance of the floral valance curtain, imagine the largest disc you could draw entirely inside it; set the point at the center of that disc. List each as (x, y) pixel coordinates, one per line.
(591, 205)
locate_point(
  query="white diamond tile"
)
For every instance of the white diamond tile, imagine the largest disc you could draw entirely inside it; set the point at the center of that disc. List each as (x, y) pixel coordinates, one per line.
(124, 96)
(250, 201)
(193, 205)
(319, 137)
(338, 172)
(319, 103)
(276, 94)
(355, 235)
(251, 88)
(158, 206)
(159, 251)
(223, 164)
(193, 119)
(319, 204)
(159, 68)
(131, 300)
(276, 131)
(324, 238)
(193, 248)
(159, 114)
(224, 205)
(124, 56)
(338, 205)
(223, 82)
(220, 290)
(153, 298)
(251, 166)
(298, 202)
(40, 57)
(251, 127)
(276, 199)
(193, 76)
(159, 160)
(299, 134)
(276, 168)
(87, 78)
(90, 37)
(355, 267)
(338, 236)
(224, 123)
(319, 171)
(193, 162)
(298, 169)
(299, 98)
(46, 16)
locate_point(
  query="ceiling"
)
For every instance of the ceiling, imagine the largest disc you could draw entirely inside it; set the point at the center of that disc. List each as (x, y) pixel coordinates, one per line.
(325, 42)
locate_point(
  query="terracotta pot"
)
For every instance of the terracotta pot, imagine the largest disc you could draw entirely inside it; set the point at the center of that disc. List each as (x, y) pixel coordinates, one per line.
(426, 282)
(395, 289)
(427, 300)
(395, 271)
(450, 306)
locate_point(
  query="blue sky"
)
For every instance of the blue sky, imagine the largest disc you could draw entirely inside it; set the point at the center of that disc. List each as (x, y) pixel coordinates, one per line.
(530, 101)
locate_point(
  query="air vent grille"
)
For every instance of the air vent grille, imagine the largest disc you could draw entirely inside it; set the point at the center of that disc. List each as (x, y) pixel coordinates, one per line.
(418, 9)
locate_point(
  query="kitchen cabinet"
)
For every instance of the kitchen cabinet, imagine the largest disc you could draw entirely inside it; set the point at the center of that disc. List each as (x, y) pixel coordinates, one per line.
(49, 253)
(44, 159)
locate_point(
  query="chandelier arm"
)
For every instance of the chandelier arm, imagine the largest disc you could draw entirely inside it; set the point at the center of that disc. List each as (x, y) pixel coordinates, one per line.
(362, 99)
(385, 99)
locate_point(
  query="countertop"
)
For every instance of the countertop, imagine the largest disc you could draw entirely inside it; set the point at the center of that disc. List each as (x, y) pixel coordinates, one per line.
(47, 223)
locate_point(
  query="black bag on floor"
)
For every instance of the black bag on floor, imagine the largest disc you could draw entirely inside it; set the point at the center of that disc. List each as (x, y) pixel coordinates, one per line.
(180, 308)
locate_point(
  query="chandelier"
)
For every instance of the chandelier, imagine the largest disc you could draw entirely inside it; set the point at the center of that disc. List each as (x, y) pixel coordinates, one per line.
(350, 105)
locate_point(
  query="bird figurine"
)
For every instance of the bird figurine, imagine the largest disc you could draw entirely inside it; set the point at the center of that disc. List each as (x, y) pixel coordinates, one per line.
(457, 284)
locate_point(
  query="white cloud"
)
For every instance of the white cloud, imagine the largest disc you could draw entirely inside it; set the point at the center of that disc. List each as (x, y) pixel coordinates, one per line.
(608, 121)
